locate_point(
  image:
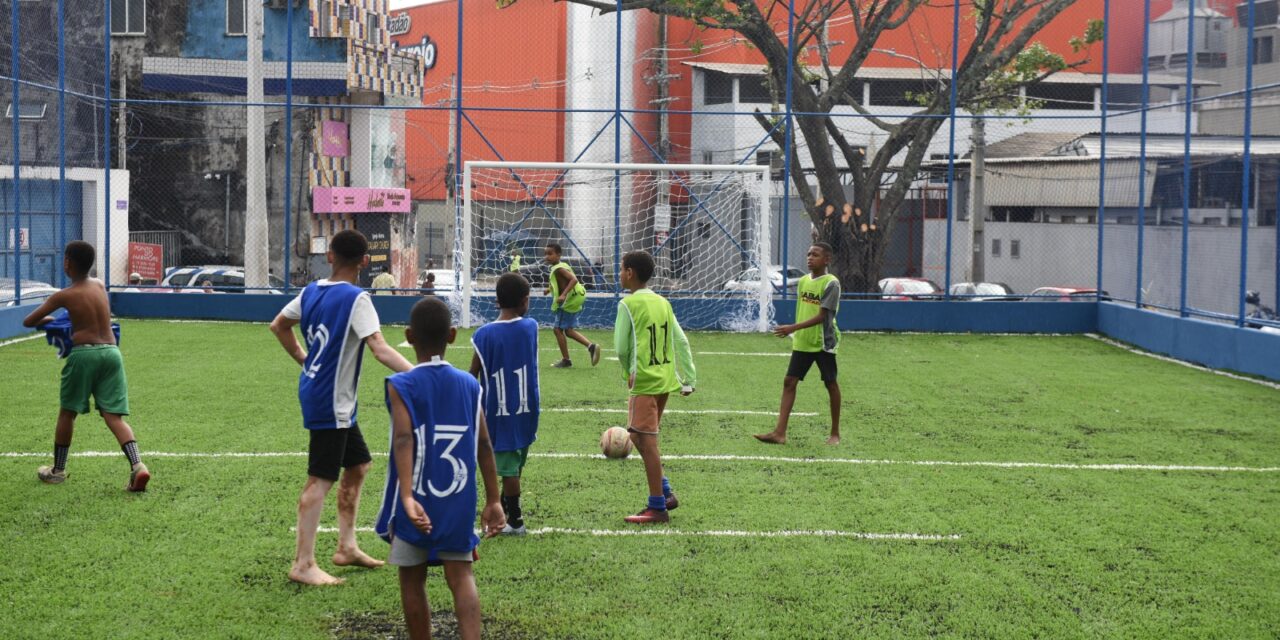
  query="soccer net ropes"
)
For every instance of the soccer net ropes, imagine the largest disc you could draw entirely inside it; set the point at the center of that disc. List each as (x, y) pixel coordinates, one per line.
(707, 227)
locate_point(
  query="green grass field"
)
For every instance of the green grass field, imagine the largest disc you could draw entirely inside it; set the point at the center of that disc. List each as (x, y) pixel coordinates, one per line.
(1034, 551)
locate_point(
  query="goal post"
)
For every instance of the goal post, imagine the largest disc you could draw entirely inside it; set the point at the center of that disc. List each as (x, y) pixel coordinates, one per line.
(706, 225)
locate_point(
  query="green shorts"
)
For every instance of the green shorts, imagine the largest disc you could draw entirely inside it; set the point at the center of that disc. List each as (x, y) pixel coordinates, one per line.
(511, 463)
(97, 370)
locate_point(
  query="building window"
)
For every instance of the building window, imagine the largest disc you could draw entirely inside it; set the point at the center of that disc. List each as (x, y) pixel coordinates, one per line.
(128, 17)
(27, 110)
(236, 17)
(1056, 95)
(717, 88)
(995, 247)
(1015, 249)
(1263, 50)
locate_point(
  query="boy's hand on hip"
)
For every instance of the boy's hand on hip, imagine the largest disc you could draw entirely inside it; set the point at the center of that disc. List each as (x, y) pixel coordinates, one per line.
(494, 519)
(416, 515)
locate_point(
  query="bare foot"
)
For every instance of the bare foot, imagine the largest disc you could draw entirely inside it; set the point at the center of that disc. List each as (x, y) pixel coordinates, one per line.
(833, 440)
(313, 576)
(771, 438)
(355, 558)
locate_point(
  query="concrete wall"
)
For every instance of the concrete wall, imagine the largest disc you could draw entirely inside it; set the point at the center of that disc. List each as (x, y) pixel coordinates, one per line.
(1066, 255)
(206, 36)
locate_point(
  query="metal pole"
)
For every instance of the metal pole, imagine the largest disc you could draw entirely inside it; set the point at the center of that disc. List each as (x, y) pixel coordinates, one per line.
(16, 109)
(121, 123)
(951, 149)
(978, 200)
(106, 145)
(226, 215)
(1142, 146)
(788, 148)
(62, 136)
(461, 184)
(289, 240)
(1102, 164)
(1247, 168)
(617, 150)
(256, 233)
(1188, 103)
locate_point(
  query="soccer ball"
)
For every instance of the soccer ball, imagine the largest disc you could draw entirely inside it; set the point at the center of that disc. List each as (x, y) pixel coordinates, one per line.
(615, 442)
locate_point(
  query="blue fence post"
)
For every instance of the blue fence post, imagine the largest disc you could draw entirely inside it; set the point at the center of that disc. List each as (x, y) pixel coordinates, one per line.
(1142, 146)
(951, 149)
(788, 147)
(106, 145)
(617, 150)
(1102, 151)
(457, 160)
(62, 137)
(1188, 103)
(16, 107)
(288, 148)
(1247, 167)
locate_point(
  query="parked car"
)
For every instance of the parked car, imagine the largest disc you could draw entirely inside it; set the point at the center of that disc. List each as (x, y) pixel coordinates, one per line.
(1066, 294)
(982, 291)
(537, 272)
(909, 289)
(749, 280)
(226, 279)
(33, 292)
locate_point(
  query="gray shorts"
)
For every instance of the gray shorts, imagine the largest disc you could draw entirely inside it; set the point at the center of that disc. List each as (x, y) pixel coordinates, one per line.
(404, 554)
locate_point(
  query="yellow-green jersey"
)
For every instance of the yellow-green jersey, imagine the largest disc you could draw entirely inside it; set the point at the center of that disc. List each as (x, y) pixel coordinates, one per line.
(651, 346)
(813, 295)
(576, 298)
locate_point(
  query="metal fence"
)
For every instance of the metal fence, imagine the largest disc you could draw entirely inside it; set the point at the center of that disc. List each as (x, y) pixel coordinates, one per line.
(1127, 150)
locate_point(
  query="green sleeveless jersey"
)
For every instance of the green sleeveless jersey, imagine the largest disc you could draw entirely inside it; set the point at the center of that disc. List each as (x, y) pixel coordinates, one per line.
(812, 295)
(651, 346)
(576, 298)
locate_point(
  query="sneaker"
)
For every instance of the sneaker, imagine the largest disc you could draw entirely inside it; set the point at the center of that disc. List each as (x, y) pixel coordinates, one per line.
(594, 350)
(672, 501)
(509, 530)
(49, 475)
(649, 516)
(138, 478)
(563, 364)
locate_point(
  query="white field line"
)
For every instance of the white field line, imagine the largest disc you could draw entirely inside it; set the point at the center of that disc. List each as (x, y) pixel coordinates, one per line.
(1189, 365)
(774, 354)
(730, 412)
(22, 339)
(817, 533)
(1058, 466)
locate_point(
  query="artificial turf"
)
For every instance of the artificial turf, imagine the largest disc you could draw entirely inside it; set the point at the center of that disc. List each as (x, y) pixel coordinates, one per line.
(1041, 552)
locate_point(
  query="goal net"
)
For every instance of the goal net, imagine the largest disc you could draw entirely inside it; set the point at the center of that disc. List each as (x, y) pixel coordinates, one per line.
(707, 227)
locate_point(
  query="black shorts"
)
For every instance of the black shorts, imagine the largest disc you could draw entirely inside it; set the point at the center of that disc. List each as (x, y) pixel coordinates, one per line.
(802, 361)
(333, 450)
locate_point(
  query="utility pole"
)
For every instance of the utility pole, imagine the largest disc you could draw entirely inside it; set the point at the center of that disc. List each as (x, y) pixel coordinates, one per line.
(256, 239)
(978, 200)
(455, 169)
(121, 122)
(662, 79)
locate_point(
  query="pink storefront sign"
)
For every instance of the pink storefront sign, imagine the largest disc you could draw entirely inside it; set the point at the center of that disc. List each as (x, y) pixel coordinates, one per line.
(334, 141)
(359, 200)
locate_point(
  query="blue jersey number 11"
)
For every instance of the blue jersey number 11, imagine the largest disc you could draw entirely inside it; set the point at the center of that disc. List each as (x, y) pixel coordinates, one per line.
(500, 388)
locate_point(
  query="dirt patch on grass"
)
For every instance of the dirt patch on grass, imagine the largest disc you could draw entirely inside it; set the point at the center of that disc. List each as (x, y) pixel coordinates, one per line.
(382, 625)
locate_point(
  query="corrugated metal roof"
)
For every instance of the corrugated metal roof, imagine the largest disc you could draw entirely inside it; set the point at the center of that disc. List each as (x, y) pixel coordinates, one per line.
(1026, 145)
(1166, 145)
(905, 73)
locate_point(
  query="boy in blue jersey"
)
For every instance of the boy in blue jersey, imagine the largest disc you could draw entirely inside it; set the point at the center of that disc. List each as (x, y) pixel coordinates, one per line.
(506, 363)
(438, 435)
(338, 320)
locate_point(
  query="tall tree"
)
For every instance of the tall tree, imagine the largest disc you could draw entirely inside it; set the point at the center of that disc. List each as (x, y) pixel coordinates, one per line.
(998, 58)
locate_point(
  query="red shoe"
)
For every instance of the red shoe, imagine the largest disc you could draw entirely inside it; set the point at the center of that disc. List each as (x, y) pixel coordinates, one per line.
(649, 516)
(672, 501)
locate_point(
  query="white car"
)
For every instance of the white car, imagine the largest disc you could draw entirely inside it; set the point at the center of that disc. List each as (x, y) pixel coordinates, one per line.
(223, 278)
(749, 280)
(33, 292)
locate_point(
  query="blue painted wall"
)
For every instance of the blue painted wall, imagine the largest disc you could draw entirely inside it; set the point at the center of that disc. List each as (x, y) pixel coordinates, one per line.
(206, 36)
(11, 321)
(1215, 345)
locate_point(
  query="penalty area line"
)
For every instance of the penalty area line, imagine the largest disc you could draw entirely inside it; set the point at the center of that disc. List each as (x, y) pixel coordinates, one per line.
(769, 354)
(1056, 466)
(720, 533)
(22, 339)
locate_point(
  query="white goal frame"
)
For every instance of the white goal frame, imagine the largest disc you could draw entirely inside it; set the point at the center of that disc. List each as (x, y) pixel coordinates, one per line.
(463, 238)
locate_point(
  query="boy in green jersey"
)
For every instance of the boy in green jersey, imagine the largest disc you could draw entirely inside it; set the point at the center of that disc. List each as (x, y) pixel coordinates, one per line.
(567, 297)
(656, 360)
(814, 338)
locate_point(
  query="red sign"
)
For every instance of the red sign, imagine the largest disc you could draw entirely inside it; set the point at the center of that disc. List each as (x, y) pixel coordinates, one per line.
(146, 260)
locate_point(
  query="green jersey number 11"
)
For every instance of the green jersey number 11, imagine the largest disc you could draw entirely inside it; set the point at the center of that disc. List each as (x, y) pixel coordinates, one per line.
(653, 344)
